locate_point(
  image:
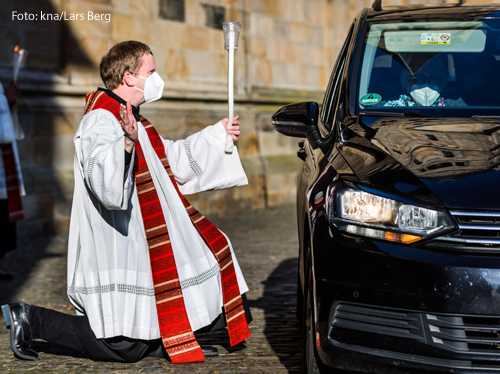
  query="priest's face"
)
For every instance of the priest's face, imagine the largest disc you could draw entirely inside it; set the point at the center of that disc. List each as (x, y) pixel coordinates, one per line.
(147, 67)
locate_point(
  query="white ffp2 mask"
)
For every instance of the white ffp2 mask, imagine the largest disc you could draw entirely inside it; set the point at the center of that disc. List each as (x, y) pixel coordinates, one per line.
(153, 88)
(425, 94)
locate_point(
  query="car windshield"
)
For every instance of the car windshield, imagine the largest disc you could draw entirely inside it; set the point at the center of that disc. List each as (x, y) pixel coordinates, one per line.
(430, 67)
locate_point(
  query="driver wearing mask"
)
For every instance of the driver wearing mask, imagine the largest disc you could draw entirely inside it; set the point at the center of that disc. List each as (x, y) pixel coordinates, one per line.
(425, 86)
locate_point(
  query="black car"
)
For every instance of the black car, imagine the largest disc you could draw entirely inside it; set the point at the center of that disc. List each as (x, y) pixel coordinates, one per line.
(399, 195)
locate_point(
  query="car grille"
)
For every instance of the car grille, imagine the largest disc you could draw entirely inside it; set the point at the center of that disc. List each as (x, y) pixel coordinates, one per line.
(378, 321)
(469, 336)
(479, 232)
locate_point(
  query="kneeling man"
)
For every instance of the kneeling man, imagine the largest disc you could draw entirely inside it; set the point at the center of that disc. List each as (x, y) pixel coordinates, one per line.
(145, 269)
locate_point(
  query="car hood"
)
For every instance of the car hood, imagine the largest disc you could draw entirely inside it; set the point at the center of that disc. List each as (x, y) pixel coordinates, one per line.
(453, 161)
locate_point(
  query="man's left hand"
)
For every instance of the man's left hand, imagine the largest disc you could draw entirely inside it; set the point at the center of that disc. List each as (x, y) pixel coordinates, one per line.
(234, 128)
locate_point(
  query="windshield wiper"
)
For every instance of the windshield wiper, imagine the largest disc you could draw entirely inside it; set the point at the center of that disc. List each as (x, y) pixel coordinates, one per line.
(382, 114)
(406, 113)
(479, 116)
(413, 113)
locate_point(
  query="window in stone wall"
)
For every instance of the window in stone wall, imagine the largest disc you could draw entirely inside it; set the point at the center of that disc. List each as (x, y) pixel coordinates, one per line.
(215, 15)
(172, 10)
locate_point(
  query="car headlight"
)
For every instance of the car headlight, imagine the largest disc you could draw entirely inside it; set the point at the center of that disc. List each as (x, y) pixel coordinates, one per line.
(362, 213)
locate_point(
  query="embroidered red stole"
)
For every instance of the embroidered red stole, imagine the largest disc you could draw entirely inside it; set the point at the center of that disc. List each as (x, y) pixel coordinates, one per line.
(176, 332)
(14, 202)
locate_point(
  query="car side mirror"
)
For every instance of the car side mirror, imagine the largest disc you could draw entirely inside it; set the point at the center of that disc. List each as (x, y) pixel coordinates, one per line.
(299, 120)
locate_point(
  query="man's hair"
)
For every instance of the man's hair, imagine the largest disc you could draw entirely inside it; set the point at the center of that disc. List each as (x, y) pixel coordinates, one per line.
(121, 58)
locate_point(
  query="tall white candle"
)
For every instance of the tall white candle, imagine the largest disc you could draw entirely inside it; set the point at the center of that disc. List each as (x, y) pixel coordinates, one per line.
(230, 90)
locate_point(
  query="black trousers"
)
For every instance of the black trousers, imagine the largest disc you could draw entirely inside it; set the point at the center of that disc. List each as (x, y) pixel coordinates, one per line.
(74, 332)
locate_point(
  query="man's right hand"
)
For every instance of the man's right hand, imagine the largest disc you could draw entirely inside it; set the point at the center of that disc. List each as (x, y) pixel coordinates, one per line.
(129, 126)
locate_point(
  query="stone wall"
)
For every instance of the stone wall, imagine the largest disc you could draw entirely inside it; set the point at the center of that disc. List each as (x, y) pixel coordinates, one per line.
(286, 52)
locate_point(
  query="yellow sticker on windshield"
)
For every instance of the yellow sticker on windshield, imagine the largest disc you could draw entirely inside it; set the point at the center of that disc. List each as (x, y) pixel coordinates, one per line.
(435, 38)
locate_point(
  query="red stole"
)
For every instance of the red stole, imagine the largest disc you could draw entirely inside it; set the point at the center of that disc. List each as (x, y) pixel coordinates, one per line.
(175, 329)
(15, 204)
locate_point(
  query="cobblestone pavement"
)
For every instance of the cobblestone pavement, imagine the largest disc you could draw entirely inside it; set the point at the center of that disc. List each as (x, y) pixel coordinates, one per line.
(265, 242)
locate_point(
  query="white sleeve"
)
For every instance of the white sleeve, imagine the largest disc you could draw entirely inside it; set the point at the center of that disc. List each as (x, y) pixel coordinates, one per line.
(100, 149)
(199, 162)
(7, 134)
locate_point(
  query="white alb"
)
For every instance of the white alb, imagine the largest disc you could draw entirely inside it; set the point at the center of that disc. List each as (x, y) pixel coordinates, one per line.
(109, 273)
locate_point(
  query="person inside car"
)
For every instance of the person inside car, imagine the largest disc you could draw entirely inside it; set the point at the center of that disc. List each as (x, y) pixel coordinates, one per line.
(425, 87)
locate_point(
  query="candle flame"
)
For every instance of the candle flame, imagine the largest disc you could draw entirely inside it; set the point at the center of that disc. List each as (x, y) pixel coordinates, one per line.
(21, 51)
(16, 48)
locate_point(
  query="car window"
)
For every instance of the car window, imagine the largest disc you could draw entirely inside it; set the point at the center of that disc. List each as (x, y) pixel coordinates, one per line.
(431, 65)
(327, 114)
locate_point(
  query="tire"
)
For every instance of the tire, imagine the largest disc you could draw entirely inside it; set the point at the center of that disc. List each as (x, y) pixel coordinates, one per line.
(309, 362)
(299, 311)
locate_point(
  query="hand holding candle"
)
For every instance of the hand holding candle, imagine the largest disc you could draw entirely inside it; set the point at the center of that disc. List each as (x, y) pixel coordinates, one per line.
(233, 129)
(18, 59)
(231, 34)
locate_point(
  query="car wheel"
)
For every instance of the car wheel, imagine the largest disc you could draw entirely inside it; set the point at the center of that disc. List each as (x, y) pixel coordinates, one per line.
(309, 362)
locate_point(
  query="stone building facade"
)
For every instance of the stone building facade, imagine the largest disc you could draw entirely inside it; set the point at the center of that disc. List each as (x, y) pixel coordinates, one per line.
(286, 52)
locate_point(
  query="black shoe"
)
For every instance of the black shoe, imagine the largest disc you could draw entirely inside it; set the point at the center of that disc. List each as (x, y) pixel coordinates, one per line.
(16, 319)
(5, 276)
(209, 351)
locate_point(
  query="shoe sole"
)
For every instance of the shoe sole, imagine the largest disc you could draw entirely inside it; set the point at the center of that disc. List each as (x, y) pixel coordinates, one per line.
(7, 315)
(211, 354)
